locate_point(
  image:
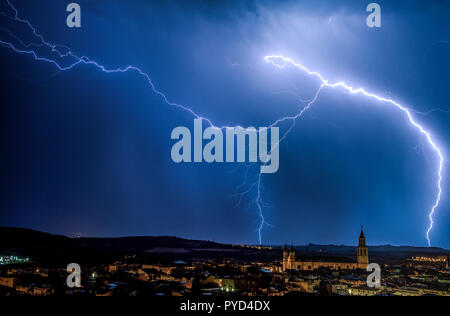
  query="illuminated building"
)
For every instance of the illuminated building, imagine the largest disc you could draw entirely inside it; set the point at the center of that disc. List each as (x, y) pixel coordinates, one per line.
(362, 255)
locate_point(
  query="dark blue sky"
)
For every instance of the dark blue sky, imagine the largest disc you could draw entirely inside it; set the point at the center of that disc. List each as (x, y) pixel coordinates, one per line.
(87, 151)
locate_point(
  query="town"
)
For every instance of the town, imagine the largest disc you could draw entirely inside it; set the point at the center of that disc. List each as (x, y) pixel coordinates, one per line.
(429, 276)
(217, 270)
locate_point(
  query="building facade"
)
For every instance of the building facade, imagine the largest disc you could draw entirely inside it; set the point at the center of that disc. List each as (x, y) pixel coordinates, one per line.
(362, 259)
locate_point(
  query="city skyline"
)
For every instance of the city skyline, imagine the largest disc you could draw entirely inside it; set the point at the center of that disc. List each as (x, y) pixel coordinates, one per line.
(36, 264)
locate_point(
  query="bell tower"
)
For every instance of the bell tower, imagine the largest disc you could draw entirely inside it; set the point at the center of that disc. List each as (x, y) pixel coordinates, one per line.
(291, 258)
(362, 252)
(285, 258)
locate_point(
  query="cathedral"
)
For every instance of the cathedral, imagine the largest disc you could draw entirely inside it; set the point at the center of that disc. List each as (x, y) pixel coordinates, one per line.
(362, 259)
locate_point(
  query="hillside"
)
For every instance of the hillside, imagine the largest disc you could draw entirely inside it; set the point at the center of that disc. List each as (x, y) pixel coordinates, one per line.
(49, 248)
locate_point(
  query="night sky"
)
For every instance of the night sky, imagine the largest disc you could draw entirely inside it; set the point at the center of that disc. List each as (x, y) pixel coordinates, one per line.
(88, 151)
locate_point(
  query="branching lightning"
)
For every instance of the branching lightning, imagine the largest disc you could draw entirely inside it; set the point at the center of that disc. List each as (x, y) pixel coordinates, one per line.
(282, 62)
(66, 60)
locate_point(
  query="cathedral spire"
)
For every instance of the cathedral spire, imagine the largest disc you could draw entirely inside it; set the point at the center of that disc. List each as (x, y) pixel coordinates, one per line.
(362, 233)
(362, 251)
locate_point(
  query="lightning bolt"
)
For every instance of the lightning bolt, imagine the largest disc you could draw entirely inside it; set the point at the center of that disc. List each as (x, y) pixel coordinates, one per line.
(64, 52)
(432, 111)
(282, 62)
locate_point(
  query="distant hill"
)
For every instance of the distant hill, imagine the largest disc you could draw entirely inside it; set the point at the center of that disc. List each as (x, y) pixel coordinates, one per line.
(146, 244)
(21, 239)
(49, 248)
(35, 244)
(374, 251)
